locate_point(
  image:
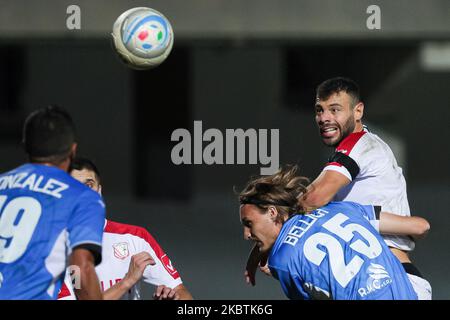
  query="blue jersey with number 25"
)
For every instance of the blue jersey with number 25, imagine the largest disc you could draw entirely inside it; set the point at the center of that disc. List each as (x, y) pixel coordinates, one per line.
(44, 214)
(335, 253)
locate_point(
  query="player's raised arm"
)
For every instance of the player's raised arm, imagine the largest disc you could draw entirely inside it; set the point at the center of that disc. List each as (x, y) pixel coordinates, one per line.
(89, 285)
(322, 189)
(394, 224)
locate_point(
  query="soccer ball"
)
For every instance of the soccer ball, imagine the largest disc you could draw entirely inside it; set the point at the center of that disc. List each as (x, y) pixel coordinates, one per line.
(142, 37)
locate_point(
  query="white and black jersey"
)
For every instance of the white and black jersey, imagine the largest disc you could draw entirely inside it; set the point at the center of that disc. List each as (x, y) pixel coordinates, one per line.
(375, 178)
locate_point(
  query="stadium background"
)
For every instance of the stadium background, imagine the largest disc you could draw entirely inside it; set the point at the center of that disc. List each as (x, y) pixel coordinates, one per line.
(235, 64)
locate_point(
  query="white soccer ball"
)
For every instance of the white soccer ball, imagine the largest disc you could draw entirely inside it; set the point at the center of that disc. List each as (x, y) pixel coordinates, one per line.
(142, 37)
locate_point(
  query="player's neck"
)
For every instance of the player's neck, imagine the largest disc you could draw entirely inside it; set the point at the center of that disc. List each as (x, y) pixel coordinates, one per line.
(358, 127)
(64, 165)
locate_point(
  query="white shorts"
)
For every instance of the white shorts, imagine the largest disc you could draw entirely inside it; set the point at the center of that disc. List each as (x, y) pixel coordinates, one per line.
(421, 286)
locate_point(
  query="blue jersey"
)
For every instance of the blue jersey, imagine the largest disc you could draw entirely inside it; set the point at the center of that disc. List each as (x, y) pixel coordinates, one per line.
(335, 253)
(44, 215)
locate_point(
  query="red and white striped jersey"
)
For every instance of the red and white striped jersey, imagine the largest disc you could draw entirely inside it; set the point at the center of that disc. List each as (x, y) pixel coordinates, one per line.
(120, 243)
(376, 179)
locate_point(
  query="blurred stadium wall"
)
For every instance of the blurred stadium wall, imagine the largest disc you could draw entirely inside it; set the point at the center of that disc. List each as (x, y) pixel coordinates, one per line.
(235, 64)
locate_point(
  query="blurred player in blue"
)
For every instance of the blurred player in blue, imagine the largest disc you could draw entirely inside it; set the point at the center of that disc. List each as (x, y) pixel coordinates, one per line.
(333, 252)
(47, 218)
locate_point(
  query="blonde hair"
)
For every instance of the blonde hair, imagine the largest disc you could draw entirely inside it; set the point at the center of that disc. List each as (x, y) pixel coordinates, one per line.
(281, 190)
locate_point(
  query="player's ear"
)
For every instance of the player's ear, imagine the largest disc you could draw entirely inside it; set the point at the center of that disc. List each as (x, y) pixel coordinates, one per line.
(273, 212)
(358, 111)
(73, 149)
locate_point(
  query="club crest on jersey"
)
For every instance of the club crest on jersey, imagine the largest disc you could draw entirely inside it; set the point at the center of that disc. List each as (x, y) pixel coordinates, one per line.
(121, 250)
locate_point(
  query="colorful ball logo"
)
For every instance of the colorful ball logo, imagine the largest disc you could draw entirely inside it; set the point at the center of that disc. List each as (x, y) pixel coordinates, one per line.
(146, 36)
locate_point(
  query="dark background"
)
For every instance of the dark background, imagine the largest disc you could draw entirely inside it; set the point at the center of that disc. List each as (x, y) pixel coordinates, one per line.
(235, 64)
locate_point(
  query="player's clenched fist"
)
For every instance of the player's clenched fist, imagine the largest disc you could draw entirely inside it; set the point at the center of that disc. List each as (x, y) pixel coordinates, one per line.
(138, 263)
(165, 293)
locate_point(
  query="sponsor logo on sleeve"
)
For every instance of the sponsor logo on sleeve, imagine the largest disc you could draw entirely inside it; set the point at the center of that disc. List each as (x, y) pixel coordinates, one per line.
(168, 266)
(378, 279)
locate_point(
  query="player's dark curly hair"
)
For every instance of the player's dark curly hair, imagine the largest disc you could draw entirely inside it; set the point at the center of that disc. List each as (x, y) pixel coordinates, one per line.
(281, 190)
(48, 134)
(336, 85)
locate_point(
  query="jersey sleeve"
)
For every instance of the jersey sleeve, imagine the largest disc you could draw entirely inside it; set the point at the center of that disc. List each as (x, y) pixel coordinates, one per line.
(372, 213)
(343, 164)
(347, 157)
(86, 224)
(163, 272)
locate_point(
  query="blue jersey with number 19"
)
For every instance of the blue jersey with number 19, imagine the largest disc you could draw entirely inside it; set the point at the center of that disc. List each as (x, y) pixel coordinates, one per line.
(335, 253)
(44, 215)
